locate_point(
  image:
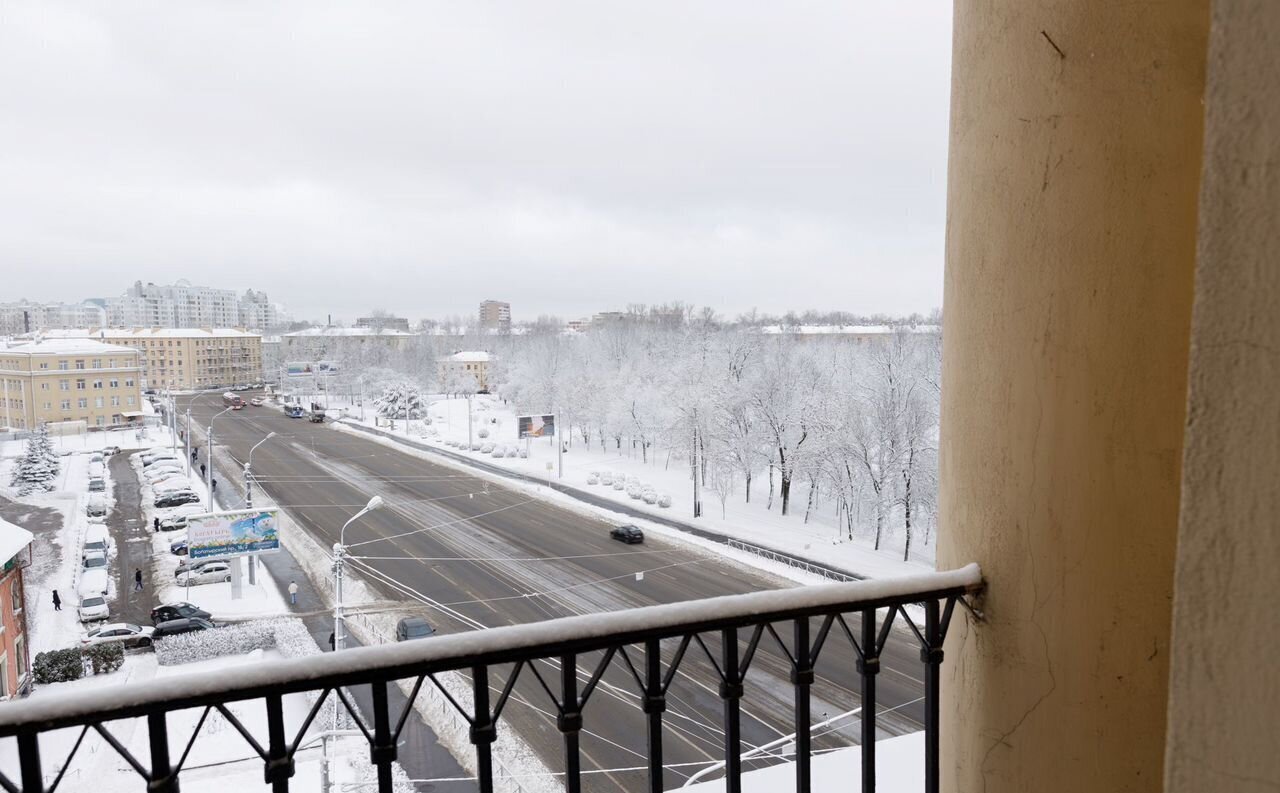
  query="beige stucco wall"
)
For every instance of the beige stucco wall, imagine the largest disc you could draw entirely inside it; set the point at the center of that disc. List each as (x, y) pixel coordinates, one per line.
(1224, 689)
(1072, 193)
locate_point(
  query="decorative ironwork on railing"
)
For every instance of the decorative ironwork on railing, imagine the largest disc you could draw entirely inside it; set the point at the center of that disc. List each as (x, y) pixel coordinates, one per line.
(800, 621)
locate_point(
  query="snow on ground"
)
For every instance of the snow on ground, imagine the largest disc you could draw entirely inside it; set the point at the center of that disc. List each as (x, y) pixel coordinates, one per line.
(818, 539)
(899, 769)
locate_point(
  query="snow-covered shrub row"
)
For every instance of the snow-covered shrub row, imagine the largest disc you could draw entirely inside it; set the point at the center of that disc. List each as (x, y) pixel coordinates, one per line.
(58, 666)
(103, 659)
(286, 635)
(483, 433)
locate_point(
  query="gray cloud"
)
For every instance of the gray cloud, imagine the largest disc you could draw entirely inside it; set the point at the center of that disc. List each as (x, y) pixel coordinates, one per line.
(568, 157)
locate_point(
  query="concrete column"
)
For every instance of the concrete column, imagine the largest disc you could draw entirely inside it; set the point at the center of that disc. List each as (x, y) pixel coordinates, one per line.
(1072, 193)
(1224, 691)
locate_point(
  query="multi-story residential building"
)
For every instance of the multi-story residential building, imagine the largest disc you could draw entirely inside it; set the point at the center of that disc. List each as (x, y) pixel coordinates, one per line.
(340, 344)
(464, 371)
(15, 654)
(25, 316)
(495, 315)
(257, 312)
(187, 358)
(382, 323)
(57, 380)
(185, 305)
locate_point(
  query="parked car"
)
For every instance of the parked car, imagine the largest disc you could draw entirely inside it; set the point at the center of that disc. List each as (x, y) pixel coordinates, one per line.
(149, 460)
(93, 608)
(93, 582)
(179, 547)
(96, 470)
(628, 534)
(97, 484)
(96, 457)
(162, 467)
(125, 633)
(256, 402)
(211, 573)
(110, 450)
(409, 628)
(96, 506)
(94, 561)
(96, 539)
(176, 499)
(178, 611)
(170, 484)
(181, 625)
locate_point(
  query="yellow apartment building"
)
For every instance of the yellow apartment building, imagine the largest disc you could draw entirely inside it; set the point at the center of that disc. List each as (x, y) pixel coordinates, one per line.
(188, 358)
(61, 380)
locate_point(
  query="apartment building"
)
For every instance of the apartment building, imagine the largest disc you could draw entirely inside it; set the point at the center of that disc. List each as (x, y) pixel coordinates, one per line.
(25, 316)
(185, 305)
(193, 358)
(15, 653)
(57, 380)
(495, 315)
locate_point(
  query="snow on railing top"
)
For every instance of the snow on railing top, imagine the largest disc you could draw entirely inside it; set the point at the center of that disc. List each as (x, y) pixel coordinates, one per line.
(459, 651)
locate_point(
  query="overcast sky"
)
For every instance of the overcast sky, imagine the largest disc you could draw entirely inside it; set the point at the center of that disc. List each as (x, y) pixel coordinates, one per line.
(419, 157)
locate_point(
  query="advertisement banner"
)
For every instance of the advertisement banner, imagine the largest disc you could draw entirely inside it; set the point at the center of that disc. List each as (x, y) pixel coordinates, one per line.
(536, 426)
(299, 369)
(245, 532)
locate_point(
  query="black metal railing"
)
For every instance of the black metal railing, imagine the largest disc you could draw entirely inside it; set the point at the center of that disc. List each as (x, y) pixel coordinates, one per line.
(630, 640)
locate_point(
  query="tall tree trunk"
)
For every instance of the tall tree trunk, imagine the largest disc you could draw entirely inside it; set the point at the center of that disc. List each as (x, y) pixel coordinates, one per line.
(809, 507)
(693, 464)
(784, 490)
(748, 487)
(769, 506)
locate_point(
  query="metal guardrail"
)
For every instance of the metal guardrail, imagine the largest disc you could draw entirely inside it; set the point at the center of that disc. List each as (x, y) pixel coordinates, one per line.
(800, 621)
(795, 562)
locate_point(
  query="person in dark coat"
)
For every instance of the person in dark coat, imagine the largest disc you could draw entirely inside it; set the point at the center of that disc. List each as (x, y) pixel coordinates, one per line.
(137, 580)
(57, 601)
(202, 469)
(157, 523)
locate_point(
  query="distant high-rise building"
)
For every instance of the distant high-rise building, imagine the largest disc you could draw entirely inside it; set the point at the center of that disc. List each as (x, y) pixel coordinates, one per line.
(257, 312)
(25, 316)
(495, 315)
(185, 305)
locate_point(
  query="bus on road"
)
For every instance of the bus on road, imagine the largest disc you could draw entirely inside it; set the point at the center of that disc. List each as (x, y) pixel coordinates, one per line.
(233, 401)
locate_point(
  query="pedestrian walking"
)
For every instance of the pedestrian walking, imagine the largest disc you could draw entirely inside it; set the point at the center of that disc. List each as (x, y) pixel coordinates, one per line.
(57, 601)
(156, 521)
(332, 646)
(194, 454)
(293, 593)
(214, 482)
(202, 469)
(137, 580)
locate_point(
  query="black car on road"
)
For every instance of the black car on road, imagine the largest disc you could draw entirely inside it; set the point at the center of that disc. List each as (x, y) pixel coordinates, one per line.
(178, 611)
(175, 627)
(628, 534)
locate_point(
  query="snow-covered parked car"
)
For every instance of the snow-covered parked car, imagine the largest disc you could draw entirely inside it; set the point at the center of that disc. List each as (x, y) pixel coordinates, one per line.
(94, 561)
(96, 505)
(176, 499)
(93, 608)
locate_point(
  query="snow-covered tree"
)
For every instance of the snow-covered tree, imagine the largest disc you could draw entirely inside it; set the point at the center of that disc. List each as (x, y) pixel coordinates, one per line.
(37, 468)
(400, 400)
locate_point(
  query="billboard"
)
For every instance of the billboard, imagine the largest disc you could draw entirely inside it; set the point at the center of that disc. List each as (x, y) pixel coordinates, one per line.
(241, 533)
(536, 426)
(310, 368)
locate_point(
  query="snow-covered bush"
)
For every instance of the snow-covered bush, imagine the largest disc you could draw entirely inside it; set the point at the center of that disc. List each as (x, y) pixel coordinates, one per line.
(288, 636)
(483, 433)
(103, 659)
(650, 497)
(634, 491)
(511, 451)
(606, 478)
(499, 453)
(486, 448)
(400, 399)
(475, 447)
(593, 478)
(664, 500)
(523, 453)
(619, 484)
(58, 666)
(37, 468)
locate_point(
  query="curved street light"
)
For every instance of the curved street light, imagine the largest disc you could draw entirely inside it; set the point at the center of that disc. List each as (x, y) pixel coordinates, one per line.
(339, 563)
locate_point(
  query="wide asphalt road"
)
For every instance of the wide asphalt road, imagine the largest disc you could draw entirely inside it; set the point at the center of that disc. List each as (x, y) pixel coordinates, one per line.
(485, 555)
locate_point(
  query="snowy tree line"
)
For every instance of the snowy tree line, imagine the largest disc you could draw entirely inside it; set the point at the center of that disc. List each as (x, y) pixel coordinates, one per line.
(849, 423)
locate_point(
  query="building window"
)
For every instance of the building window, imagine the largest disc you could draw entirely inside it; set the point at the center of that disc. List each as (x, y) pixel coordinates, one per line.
(62, 366)
(101, 420)
(82, 402)
(48, 405)
(4, 677)
(44, 386)
(115, 401)
(44, 364)
(16, 592)
(97, 384)
(80, 363)
(114, 383)
(130, 400)
(80, 385)
(66, 405)
(64, 385)
(128, 383)
(20, 656)
(111, 363)
(97, 402)
(97, 363)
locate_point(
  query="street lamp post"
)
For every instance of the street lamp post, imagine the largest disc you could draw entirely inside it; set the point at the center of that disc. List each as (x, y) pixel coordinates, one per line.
(208, 483)
(248, 501)
(339, 564)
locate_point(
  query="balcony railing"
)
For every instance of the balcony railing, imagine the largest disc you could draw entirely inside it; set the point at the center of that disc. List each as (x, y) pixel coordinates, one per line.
(799, 621)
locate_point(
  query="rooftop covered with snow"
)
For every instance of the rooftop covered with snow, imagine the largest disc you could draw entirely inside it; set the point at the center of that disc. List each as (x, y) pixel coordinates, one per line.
(469, 356)
(67, 346)
(146, 333)
(12, 540)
